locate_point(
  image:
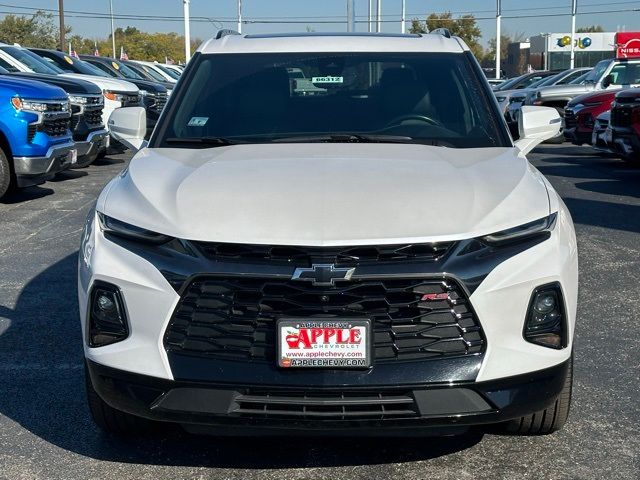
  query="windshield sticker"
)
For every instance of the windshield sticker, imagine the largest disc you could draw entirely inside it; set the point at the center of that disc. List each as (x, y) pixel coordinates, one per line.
(327, 79)
(198, 121)
(115, 65)
(68, 60)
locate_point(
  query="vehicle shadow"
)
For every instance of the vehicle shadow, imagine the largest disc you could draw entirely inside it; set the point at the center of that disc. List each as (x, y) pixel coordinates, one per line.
(42, 385)
(100, 162)
(25, 194)
(68, 175)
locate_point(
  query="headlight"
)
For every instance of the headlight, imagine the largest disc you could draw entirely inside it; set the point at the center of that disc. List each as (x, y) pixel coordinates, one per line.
(527, 231)
(28, 105)
(130, 232)
(78, 100)
(111, 95)
(144, 93)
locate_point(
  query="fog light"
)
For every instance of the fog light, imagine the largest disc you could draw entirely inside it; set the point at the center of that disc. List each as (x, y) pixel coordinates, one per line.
(107, 321)
(546, 319)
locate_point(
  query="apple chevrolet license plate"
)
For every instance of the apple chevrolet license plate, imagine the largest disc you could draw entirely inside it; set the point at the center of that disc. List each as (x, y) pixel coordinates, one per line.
(334, 343)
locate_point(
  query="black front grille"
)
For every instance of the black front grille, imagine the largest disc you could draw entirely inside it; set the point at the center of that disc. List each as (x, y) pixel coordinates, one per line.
(31, 132)
(160, 100)
(130, 100)
(326, 405)
(305, 256)
(57, 127)
(75, 119)
(93, 117)
(235, 318)
(569, 119)
(621, 117)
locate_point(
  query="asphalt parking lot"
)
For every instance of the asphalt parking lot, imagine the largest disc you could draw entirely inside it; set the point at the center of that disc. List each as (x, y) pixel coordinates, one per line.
(46, 432)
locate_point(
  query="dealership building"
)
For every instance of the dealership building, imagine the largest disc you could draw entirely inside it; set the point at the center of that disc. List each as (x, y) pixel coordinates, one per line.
(553, 51)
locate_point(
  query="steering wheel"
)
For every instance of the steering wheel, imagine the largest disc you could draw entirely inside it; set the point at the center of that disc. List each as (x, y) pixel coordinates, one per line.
(413, 116)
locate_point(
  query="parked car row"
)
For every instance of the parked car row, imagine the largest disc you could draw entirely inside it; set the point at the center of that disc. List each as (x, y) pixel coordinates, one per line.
(599, 106)
(56, 109)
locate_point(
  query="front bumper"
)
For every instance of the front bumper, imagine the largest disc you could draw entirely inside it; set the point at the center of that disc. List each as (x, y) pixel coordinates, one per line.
(626, 142)
(35, 170)
(577, 136)
(89, 149)
(393, 409)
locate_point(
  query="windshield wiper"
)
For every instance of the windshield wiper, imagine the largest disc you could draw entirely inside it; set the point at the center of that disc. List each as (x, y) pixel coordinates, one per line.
(204, 141)
(345, 138)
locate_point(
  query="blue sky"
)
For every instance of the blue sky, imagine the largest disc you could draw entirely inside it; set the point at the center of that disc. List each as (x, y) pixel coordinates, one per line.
(309, 12)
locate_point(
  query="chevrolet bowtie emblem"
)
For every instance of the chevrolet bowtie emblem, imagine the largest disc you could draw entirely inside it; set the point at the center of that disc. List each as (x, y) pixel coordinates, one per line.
(322, 274)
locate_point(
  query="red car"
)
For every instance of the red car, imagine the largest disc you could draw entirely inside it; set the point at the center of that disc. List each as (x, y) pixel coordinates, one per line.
(625, 124)
(581, 113)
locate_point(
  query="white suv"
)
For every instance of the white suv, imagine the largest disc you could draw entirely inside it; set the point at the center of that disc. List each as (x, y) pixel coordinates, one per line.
(379, 257)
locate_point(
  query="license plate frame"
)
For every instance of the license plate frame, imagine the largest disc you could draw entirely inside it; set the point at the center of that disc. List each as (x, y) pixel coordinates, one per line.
(319, 355)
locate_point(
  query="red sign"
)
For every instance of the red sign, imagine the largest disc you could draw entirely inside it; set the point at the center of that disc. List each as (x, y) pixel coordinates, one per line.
(628, 45)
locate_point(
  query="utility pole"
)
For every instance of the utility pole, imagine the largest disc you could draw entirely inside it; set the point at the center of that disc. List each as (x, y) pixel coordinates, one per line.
(113, 34)
(379, 17)
(370, 23)
(351, 20)
(187, 34)
(574, 10)
(239, 16)
(404, 14)
(61, 15)
(498, 36)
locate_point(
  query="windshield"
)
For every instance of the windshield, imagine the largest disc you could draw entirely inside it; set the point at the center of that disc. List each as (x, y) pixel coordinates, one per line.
(595, 74)
(151, 72)
(127, 72)
(580, 79)
(429, 98)
(31, 60)
(507, 85)
(168, 71)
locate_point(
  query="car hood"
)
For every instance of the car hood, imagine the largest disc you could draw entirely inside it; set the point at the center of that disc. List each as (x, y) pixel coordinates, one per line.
(554, 90)
(105, 83)
(597, 96)
(327, 194)
(31, 89)
(69, 85)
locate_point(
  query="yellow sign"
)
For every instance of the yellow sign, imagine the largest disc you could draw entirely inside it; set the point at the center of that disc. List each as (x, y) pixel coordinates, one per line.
(115, 65)
(68, 60)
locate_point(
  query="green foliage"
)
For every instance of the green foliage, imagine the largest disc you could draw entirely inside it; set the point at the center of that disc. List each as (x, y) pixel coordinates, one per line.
(590, 29)
(505, 40)
(39, 30)
(464, 27)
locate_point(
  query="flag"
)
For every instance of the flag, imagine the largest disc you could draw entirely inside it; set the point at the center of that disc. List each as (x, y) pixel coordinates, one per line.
(123, 54)
(72, 52)
(96, 53)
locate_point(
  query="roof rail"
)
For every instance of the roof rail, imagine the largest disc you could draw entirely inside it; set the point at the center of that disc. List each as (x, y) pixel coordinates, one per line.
(225, 32)
(442, 31)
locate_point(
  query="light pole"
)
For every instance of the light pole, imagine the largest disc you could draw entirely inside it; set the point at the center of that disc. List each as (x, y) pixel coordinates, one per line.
(61, 15)
(379, 17)
(113, 36)
(351, 19)
(239, 16)
(187, 34)
(370, 23)
(574, 9)
(404, 14)
(498, 36)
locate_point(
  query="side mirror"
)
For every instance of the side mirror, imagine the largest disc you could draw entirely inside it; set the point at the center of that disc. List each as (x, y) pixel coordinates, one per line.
(129, 125)
(607, 81)
(535, 125)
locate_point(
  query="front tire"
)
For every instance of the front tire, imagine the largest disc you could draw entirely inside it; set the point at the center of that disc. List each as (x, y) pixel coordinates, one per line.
(549, 420)
(5, 173)
(110, 420)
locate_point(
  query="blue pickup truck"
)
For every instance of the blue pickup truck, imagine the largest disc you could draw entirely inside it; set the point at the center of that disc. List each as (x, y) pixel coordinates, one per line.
(35, 140)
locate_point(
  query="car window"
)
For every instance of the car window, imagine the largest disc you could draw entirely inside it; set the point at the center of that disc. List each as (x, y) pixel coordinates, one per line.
(570, 77)
(429, 98)
(62, 66)
(128, 72)
(528, 81)
(597, 71)
(508, 83)
(580, 79)
(102, 68)
(168, 71)
(7, 66)
(31, 60)
(625, 74)
(152, 73)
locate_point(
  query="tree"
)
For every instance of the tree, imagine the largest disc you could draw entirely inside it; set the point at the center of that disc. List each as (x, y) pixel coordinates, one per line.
(39, 30)
(505, 40)
(590, 29)
(464, 27)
